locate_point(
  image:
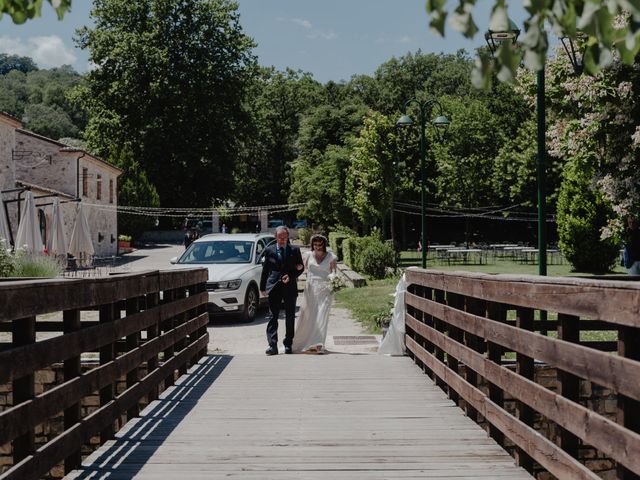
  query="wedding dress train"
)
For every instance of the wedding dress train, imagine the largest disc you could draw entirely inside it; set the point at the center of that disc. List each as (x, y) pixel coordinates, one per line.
(311, 328)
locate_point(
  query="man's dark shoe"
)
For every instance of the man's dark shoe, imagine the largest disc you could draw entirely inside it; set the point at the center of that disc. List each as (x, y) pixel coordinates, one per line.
(288, 350)
(271, 351)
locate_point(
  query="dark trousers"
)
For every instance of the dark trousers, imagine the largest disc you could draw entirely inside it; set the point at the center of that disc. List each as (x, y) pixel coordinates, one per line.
(276, 295)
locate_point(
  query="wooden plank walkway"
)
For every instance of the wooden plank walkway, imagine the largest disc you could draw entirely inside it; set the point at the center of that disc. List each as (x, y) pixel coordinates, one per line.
(336, 416)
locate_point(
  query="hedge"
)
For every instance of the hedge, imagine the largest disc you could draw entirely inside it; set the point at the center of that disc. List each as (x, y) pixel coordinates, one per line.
(336, 240)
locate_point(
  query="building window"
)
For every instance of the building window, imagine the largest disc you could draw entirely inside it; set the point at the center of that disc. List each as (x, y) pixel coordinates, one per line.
(111, 190)
(99, 188)
(85, 182)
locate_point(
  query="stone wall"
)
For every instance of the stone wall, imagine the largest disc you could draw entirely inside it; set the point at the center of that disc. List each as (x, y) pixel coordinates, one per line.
(44, 381)
(600, 400)
(44, 162)
(7, 144)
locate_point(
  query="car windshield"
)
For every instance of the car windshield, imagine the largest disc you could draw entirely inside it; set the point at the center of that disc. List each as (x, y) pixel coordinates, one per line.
(218, 251)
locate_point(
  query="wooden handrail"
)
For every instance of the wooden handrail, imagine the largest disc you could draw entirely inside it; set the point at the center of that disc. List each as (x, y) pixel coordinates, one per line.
(460, 325)
(165, 327)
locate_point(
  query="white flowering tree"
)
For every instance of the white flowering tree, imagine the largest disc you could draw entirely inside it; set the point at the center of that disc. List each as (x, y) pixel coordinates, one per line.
(596, 118)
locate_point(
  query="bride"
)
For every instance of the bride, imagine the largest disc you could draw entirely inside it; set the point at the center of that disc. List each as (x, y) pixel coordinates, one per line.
(311, 329)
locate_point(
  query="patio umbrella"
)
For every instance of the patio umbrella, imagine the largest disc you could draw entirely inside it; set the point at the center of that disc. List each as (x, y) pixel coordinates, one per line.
(80, 244)
(57, 242)
(28, 236)
(4, 227)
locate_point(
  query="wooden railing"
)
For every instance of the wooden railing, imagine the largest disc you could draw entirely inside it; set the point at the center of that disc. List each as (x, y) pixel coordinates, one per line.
(151, 322)
(461, 328)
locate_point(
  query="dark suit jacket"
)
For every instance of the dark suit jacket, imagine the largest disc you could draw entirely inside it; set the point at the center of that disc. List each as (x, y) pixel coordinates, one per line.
(273, 269)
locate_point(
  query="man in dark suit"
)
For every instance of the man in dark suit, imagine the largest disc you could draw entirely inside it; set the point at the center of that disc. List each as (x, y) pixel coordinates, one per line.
(280, 270)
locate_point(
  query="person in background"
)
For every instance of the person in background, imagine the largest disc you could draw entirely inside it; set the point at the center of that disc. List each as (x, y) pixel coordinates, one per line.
(223, 229)
(632, 247)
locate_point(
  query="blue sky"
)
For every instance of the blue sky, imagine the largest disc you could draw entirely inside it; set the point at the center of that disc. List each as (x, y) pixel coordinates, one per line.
(332, 39)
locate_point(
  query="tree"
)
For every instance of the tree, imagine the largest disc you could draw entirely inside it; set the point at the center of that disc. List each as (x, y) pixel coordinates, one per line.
(22, 10)
(371, 177)
(278, 100)
(170, 81)
(399, 79)
(582, 214)
(319, 172)
(15, 62)
(134, 189)
(52, 122)
(593, 23)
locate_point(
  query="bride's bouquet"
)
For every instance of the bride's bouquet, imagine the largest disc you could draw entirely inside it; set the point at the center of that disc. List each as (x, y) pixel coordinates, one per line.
(335, 282)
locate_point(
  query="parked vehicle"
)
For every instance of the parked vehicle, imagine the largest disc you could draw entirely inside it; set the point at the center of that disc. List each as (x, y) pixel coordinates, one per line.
(234, 264)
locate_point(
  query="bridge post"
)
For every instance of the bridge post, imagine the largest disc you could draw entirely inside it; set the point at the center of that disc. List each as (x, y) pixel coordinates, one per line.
(454, 300)
(569, 384)
(107, 313)
(152, 300)
(72, 369)
(24, 333)
(524, 368)
(169, 324)
(132, 342)
(473, 306)
(628, 408)
(439, 325)
(497, 312)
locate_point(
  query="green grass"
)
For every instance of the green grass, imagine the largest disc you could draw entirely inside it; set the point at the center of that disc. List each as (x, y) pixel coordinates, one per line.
(371, 304)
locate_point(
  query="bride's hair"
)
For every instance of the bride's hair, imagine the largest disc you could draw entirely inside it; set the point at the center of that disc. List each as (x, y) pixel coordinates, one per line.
(317, 238)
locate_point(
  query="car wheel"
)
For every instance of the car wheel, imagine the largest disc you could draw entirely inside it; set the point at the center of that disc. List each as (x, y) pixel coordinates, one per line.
(251, 302)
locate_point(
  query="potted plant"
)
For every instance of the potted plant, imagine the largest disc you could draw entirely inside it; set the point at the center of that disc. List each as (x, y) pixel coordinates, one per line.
(124, 242)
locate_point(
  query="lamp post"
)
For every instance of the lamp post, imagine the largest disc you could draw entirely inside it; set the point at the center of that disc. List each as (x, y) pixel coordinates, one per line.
(440, 125)
(494, 39)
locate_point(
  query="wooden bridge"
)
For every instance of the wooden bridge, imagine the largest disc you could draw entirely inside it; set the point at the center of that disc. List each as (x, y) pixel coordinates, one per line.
(511, 370)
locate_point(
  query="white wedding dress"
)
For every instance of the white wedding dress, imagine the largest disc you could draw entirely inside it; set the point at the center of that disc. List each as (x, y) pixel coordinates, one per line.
(311, 328)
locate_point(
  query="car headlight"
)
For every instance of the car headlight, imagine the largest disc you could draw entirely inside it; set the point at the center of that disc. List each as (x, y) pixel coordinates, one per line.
(229, 285)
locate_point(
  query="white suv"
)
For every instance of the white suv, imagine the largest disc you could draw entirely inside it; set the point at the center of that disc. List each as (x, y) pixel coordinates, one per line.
(234, 264)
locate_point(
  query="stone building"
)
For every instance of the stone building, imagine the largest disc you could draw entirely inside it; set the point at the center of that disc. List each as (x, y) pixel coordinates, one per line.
(49, 168)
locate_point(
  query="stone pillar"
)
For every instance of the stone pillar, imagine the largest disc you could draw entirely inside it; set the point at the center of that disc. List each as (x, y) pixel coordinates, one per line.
(215, 222)
(263, 215)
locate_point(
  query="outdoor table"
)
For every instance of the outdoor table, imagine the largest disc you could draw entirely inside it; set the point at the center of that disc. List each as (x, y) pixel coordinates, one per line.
(528, 255)
(465, 255)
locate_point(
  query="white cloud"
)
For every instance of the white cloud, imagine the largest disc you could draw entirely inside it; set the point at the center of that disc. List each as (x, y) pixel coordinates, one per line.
(302, 22)
(47, 51)
(313, 32)
(326, 35)
(391, 39)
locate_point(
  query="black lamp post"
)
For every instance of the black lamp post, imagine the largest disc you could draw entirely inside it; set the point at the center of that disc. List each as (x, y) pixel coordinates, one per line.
(494, 39)
(440, 125)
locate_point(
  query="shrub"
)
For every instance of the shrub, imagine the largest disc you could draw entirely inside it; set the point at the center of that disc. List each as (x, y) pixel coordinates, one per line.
(304, 235)
(336, 240)
(351, 249)
(347, 250)
(30, 265)
(582, 213)
(376, 257)
(124, 238)
(6, 260)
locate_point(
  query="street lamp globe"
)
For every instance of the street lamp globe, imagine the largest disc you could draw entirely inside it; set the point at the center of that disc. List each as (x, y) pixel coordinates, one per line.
(441, 124)
(497, 36)
(404, 121)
